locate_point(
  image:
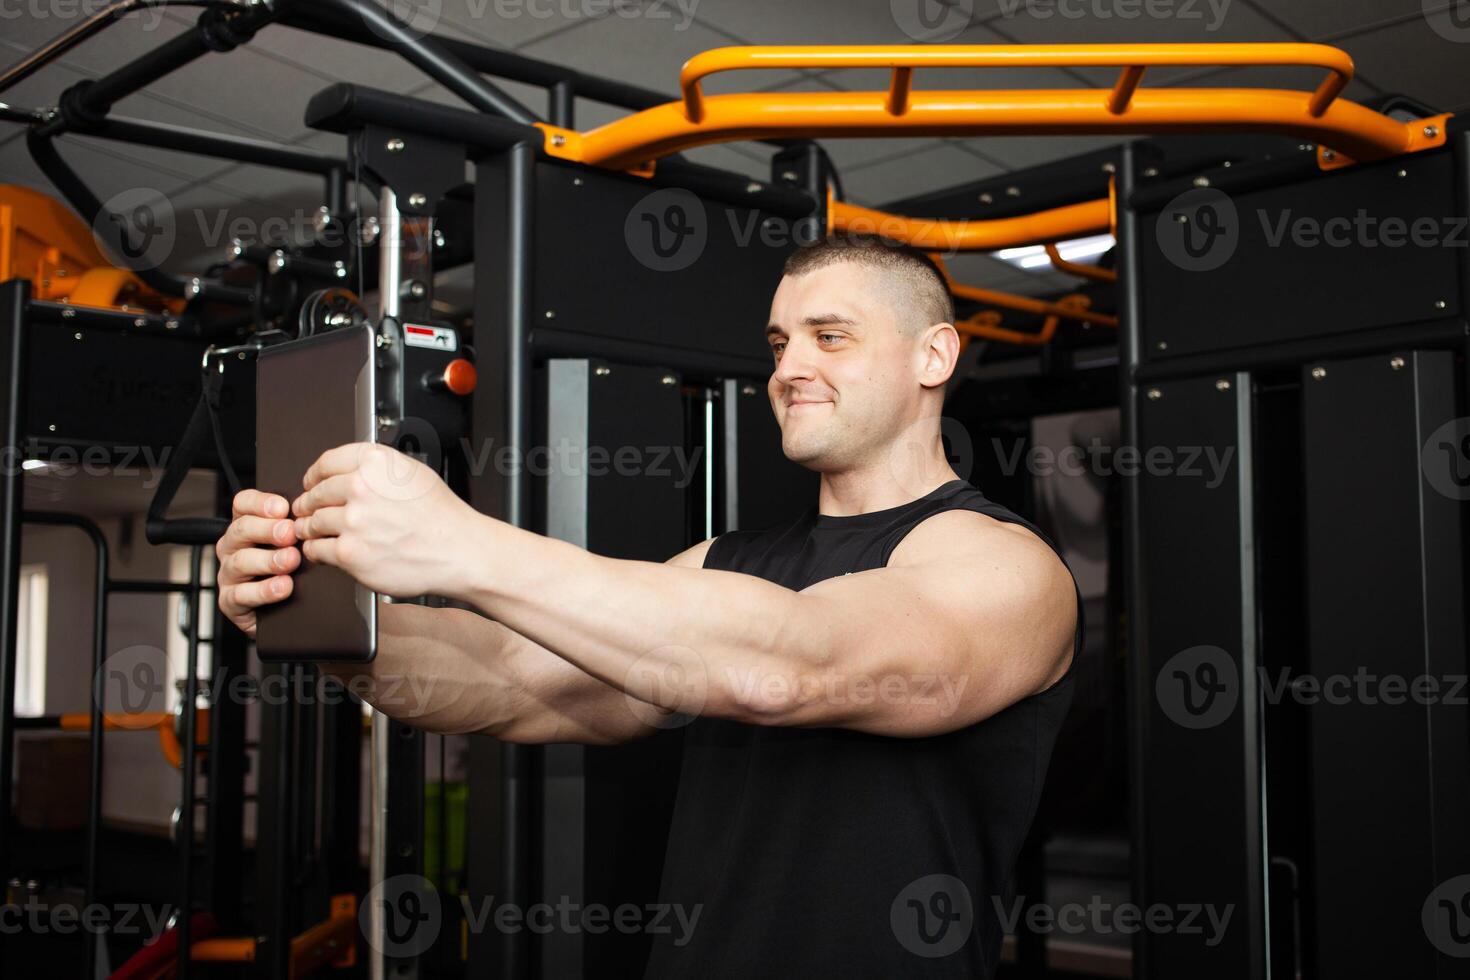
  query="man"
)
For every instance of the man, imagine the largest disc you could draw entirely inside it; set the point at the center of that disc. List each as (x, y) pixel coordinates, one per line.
(877, 685)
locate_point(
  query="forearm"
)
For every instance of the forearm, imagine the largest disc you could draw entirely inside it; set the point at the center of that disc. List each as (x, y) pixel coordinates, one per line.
(686, 639)
(451, 671)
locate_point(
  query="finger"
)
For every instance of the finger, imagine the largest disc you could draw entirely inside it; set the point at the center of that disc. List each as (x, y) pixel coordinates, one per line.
(323, 551)
(259, 503)
(342, 459)
(249, 563)
(237, 600)
(331, 492)
(247, 532)
(329, 522)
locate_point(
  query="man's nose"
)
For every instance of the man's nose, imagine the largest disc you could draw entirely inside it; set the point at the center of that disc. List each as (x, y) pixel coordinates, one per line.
(796, 363)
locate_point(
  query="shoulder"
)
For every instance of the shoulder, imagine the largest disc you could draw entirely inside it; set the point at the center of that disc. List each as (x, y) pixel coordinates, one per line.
(692, 557)
(967, 534)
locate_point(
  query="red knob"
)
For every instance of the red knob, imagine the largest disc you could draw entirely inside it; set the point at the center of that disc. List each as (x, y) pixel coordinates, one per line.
(459, 377)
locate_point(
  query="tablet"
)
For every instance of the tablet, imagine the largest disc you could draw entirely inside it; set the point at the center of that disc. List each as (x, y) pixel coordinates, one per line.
(311, 395)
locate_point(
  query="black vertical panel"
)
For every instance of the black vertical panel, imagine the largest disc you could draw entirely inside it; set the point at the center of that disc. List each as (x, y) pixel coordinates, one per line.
(276, 801)
(620, 485)
(1351, 228)
(618, 257)
(14, 296)
(770, 489)
(1200, 764)
(1385, 596)
(225, 820)
(490, 778)
(630, 788)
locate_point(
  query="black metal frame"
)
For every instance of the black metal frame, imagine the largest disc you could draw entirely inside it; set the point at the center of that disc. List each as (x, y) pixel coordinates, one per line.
(506, 146)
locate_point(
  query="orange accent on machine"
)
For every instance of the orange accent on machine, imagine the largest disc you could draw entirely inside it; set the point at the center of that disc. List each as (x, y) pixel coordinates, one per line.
(1351, 132)
(160, 721)
(42, 240)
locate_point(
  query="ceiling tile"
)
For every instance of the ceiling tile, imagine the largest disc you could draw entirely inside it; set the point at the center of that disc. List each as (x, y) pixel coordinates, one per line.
(1438, 72)
(31, 25)
(1128, 21)
(45, 87)
(1317, 19)
(641, 52)
(514, 23)
(259, 93)
(107, 168)
(862, 22)
(529, 96)
(752, 159)
(266, 184)
(935, 166)
(334, 60)
(1019, 152)
(124, 40)
(1134, 21)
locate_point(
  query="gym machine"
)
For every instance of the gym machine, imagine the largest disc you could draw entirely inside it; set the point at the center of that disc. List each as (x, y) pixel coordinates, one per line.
(564, 329)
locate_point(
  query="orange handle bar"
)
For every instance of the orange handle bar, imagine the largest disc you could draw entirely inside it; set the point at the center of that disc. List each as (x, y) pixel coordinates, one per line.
(1025, 304)
(1094, 272)
(986, 324)
(903, 59)
(980, 235)
(160, 721)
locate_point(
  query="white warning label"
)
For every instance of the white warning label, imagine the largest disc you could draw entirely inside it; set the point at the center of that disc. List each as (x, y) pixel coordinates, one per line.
(437, 338)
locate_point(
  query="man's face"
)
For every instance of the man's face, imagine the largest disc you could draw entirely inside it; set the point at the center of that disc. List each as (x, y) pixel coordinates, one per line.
(845, 378)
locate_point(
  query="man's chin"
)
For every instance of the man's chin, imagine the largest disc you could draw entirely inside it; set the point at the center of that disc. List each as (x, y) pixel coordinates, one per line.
(804, 453)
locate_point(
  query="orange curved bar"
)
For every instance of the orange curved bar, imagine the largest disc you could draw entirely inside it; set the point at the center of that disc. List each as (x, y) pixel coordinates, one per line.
(1355, 131)
(160, 721)
(1023, 304)
(330, 941)
(1094, 272)
(986, 324)
(1132, 58)
(980, 235)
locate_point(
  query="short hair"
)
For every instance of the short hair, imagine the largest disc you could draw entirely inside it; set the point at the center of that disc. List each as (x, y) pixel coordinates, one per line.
(916, 283)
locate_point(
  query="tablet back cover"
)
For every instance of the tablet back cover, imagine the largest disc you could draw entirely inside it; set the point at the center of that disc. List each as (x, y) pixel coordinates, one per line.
(311, 395)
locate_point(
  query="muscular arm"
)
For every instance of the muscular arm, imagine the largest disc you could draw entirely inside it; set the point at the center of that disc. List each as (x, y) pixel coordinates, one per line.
(449, 670)
(969, 616)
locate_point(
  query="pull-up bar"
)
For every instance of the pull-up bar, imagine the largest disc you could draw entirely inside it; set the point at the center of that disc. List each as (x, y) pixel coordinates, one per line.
(698, 119)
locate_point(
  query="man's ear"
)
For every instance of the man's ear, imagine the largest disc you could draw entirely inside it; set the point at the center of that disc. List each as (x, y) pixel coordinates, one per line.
(940, 351)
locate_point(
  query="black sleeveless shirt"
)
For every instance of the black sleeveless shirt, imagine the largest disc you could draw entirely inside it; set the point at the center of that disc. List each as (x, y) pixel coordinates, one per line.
(824, 852)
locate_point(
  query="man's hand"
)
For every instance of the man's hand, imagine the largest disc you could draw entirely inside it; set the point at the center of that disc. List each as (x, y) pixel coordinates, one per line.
(382, 517)
(256, 557)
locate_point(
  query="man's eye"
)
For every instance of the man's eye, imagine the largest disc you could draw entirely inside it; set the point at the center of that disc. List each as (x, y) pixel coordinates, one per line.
(829, 337)
(777, 348)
